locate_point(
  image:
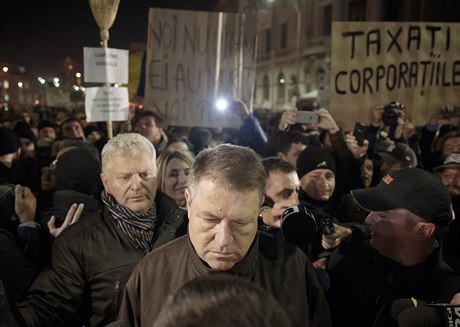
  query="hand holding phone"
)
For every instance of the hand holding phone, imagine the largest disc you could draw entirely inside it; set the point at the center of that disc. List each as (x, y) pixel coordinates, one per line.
(360, 132)
(307, 117)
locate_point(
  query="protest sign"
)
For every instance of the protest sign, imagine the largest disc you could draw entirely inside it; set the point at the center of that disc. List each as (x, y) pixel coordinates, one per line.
(105, 65)
(194, 58)
(106, 103)
(374, 63)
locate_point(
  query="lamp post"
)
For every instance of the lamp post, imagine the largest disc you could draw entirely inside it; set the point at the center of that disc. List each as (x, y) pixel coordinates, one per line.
(42, 81)
(5, 86)
(78, 76)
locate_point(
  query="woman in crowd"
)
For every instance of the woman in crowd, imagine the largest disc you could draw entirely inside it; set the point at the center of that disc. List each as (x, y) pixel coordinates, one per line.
(173, 168)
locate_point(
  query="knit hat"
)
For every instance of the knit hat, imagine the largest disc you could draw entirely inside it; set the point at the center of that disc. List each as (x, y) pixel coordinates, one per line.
(78, 170)
(313, 157)
(23, 130)
(399, 152)
(413, 189)
(452, 161)
(9, 141)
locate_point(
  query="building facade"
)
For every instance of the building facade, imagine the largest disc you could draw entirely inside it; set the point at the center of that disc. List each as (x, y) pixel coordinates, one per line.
(294, 40)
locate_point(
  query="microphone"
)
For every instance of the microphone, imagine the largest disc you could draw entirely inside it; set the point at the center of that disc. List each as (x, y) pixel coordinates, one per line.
(412, 312)
(424, 316)
(298, 225)
(400, 305)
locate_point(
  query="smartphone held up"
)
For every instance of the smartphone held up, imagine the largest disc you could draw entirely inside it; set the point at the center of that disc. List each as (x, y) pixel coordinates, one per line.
(307, 117)
(360, 132)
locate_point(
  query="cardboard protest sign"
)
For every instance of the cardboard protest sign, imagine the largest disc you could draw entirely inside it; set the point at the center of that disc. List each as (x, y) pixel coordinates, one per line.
(193, 58)
(374, 63)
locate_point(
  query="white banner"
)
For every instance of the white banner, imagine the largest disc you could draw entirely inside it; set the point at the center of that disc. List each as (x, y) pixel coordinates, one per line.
(374, 63)
(106, 103)
(105, 65)
(194, 58)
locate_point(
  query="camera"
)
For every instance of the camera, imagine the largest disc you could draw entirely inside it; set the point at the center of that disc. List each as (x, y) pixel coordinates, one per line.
(391, 113)
(298, 225)
(327, 227)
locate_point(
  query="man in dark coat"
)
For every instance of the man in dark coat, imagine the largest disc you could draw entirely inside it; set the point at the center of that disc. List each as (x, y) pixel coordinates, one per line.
(92, 259)
(410, 211)
(224, 195)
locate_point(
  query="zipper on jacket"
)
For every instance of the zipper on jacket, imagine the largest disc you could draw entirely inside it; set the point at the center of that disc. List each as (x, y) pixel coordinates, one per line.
(116, 297)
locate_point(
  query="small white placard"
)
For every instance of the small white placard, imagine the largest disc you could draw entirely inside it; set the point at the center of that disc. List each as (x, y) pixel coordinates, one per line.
(106, 103)
(105, 65)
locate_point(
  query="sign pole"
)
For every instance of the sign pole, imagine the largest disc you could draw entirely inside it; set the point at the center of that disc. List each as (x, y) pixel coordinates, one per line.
(104, 12)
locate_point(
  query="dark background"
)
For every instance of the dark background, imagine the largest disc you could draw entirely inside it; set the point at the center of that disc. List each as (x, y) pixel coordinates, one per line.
(41, 34)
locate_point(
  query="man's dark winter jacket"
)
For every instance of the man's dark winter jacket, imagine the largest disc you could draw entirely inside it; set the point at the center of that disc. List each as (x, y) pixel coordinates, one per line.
(90, 264)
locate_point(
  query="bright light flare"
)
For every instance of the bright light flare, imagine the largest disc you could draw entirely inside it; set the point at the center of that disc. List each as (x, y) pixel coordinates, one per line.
(221, 104)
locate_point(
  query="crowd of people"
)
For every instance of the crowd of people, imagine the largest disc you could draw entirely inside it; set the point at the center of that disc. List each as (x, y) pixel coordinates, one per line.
(273, 224)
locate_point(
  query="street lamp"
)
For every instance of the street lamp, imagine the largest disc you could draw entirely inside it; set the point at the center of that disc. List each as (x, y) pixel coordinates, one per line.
(4, 97)
(78, 76)
(42, 81)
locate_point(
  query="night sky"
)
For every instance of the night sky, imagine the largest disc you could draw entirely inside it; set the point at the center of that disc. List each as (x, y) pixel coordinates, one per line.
(40, 34)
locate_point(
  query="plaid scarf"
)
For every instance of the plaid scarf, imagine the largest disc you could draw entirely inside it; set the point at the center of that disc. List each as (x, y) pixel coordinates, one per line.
(138, 226)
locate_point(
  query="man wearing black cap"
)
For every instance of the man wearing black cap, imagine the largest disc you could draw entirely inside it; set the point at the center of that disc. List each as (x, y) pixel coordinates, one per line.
(410, 210)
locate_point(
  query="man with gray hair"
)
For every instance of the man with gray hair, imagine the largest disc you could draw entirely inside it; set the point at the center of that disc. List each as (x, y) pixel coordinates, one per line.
(225, 192)
(92, 259)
